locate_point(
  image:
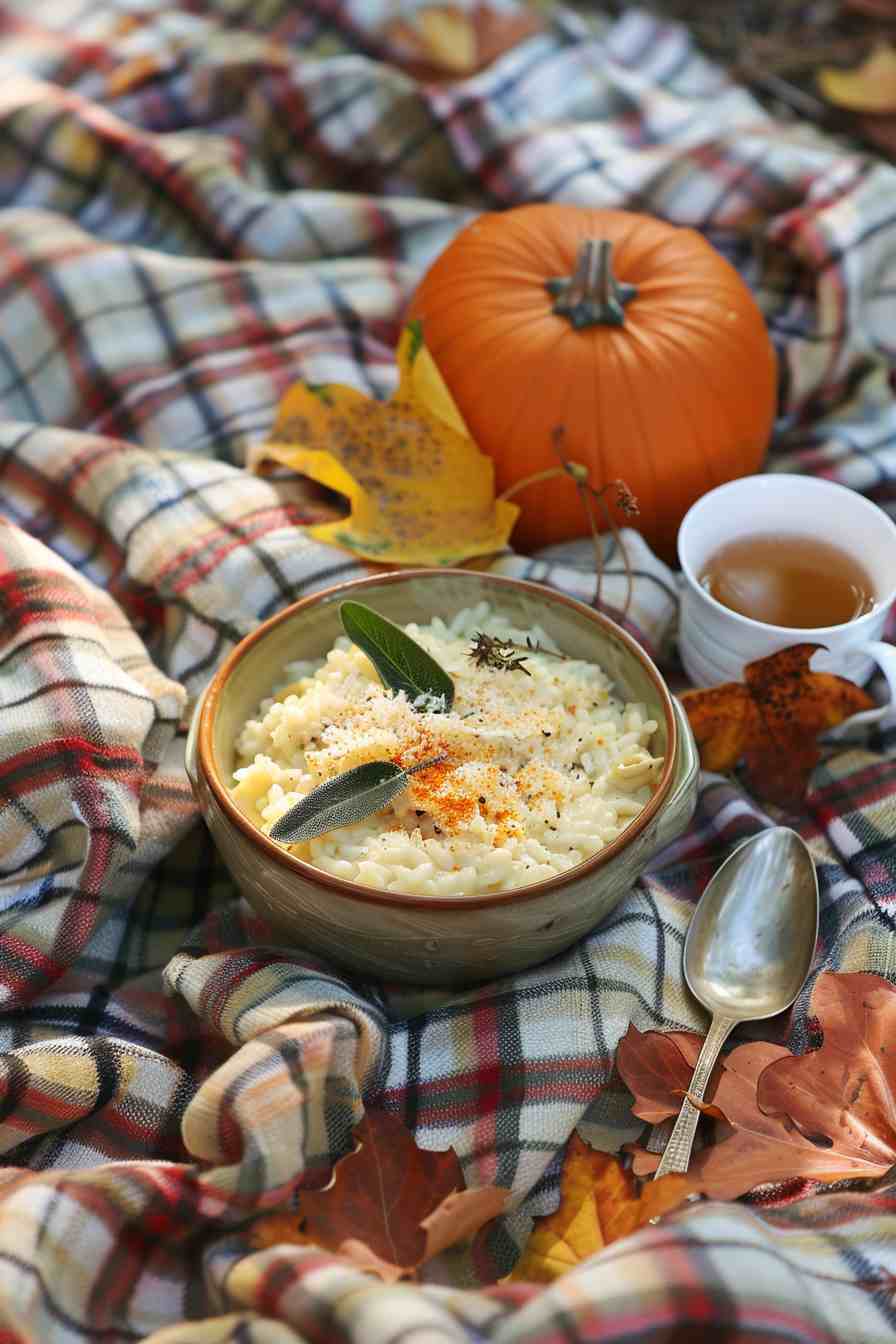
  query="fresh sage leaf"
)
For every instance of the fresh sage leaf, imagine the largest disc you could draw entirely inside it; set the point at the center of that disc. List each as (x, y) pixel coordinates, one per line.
(401, 664)
(345, 799)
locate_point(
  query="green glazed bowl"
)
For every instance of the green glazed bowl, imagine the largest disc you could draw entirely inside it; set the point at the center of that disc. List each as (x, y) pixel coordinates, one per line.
(446, 941)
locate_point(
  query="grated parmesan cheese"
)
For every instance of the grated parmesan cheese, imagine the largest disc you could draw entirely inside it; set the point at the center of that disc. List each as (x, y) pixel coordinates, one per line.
(541, 771)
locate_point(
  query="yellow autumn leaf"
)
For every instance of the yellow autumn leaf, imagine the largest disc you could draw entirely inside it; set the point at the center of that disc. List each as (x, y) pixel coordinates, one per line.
(446, 41)
(599, 1203)
(870, 87)
(419, 490)
(448, 37)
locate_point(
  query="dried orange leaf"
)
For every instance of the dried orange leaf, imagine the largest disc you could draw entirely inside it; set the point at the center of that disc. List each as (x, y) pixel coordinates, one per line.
(723, 719)
(389, 1206)
(870, 87)
(419, 490)
(599, 1203)
(771, 721)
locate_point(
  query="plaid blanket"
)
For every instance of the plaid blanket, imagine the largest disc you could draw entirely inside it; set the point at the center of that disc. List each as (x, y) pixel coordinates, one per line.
(202, 202)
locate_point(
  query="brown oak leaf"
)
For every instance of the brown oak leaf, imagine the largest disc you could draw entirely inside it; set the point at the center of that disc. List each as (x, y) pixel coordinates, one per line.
(600, 1202)
(656, 1067)
(389, 1207)
(771, 720)
(844, 1093)
(749, 1147)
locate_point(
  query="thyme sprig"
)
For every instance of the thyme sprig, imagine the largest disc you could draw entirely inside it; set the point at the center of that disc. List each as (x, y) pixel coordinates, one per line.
(491, 651)
(535, 646)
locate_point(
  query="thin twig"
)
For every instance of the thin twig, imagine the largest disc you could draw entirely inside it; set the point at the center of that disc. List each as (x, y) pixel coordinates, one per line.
(629, 576)
(579, 478)
(587, 493)
(535, 479)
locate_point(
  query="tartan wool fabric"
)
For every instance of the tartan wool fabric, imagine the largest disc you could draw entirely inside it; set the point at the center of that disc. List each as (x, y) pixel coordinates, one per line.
(201, 203)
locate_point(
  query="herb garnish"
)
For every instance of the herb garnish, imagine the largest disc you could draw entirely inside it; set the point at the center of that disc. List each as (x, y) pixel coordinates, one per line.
(355, 794)
(402, 666)
(490, 651)
(345, 799)
(534, 646)
(400, 662)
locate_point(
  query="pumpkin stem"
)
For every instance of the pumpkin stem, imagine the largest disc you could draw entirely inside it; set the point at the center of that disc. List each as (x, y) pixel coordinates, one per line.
(592, 296)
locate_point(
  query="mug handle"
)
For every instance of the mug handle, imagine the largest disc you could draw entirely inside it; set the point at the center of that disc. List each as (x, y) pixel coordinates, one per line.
(885, 657)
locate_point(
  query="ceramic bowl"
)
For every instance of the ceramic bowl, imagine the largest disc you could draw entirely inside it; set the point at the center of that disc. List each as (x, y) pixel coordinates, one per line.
(446, 941)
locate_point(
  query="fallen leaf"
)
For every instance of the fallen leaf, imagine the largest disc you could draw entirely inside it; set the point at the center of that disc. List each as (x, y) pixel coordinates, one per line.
(389, 1207)
(771, 721)
(752, 1148)
(444, 41)
(125, 24)
(844, 1093)
(869, 87)
(419, 491)
(657, 1067)
(460, 1216)
(705, 1106)
(132, 74)
(600, 1202)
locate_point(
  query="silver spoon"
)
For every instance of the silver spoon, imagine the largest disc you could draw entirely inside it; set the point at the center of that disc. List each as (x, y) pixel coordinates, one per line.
(747, 953)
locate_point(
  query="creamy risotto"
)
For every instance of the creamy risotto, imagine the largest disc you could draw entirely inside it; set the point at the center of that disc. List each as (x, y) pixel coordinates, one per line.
(541, 771)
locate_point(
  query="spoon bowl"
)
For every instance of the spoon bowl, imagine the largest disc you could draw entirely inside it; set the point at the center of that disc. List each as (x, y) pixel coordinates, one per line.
(750, 942)
(747, 953)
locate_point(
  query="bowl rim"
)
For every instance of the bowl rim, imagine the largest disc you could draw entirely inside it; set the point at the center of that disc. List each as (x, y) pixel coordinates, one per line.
(407, 900)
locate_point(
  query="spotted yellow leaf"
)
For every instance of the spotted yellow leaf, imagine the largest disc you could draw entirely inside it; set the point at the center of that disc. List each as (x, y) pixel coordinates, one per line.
(419, 490)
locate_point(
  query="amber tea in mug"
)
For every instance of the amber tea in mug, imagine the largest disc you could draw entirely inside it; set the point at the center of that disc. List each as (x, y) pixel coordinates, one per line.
(793, 581)
(780, 515)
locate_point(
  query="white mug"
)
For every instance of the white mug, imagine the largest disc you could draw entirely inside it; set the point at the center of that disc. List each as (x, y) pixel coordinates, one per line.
(715, 642)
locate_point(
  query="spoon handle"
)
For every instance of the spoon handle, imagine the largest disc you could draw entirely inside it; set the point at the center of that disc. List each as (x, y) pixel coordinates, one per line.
(678, 1150)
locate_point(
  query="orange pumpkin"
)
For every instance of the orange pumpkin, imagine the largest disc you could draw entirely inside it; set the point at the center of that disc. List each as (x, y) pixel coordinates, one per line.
(633, 335)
